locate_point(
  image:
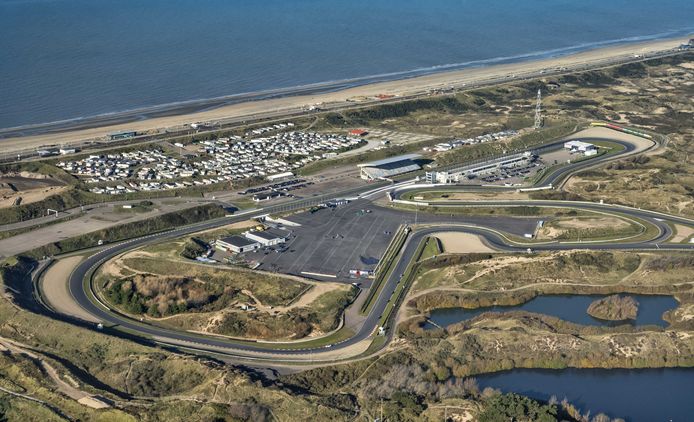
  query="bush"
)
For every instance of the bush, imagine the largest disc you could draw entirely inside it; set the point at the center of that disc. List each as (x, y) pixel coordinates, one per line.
(514, 407)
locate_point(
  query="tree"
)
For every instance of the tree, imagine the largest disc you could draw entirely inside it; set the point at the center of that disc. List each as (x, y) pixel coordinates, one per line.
(515, 407)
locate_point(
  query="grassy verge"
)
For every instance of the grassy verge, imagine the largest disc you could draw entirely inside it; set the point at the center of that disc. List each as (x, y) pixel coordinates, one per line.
(412, 270)
(432, 248)
(384, 267)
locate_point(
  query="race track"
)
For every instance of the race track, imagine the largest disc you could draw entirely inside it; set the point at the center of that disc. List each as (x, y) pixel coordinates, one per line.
(80, 285)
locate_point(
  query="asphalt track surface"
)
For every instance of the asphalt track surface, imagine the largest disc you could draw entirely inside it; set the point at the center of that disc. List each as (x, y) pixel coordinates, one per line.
(117, 324)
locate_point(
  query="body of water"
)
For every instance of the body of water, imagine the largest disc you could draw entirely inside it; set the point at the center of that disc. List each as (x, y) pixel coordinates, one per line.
(66, 59)
(637, 395)
(571, 308)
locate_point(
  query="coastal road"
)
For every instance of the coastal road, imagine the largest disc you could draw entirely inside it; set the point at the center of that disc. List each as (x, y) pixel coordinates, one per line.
(27, 148)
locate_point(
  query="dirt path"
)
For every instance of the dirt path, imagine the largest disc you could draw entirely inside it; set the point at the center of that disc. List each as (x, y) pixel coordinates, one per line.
(74, 393)
(55, 292)
(310, 296)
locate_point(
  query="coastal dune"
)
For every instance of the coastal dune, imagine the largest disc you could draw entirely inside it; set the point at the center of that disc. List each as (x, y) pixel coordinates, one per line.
(405, 87)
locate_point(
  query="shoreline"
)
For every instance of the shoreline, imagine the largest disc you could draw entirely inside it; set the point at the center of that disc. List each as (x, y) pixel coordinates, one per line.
(191, 106)
(339, 94)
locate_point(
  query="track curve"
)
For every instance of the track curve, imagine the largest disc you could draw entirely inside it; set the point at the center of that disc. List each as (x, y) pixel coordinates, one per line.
(80, 286)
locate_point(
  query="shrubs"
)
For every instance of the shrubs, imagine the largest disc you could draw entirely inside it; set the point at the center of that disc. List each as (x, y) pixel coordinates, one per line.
(614, 308)
(158, 295)
(514, 407)
(401, 109)
(193, 248)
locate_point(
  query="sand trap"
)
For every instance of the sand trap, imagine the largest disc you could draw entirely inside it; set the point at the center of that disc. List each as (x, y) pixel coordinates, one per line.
(454, 242)
(682, 233)
(55, 292)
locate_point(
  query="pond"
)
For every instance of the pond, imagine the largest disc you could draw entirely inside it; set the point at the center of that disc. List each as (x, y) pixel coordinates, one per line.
(571, 308)
(636, 395)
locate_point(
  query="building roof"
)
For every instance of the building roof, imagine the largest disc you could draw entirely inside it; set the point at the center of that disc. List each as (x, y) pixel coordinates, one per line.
(391, 170)
(122, 132)
(358, 132)
(268, 234)
(391, 160)
(578, 144)
(238, 241)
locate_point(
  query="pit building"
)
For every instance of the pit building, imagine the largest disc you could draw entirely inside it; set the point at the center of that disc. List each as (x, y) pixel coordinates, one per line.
(389, 167)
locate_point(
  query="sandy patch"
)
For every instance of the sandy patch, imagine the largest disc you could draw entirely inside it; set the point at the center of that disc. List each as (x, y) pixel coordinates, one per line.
(462, 243)
(558, 227)
(471, 196)
(624, 89)
(34, 195)
(682, 233)
(246, 224)
(55, 291)
(69, 390)
(310, 296)
(642, 144)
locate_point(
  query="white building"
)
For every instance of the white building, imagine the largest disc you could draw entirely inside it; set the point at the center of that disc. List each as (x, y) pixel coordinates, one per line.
(389, 167)
(580, 146)
(471, 171)
(279, 176)
(269, 237)
(237, 244)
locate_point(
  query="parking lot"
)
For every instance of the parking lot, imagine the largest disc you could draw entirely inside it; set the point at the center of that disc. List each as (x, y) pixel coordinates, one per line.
(521, 174)
(396, 137)
(332, 241)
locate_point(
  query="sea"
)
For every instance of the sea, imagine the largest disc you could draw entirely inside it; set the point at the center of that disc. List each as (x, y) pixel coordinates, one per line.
(74, 59)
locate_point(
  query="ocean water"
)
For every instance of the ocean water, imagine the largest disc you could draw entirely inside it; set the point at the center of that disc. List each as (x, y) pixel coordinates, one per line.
(66, 59)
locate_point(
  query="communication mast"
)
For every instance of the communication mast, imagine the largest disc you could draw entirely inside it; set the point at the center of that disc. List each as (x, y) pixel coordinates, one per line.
(538, 110)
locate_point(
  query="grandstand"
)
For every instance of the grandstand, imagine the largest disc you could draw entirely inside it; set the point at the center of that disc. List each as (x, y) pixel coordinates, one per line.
(389, 167)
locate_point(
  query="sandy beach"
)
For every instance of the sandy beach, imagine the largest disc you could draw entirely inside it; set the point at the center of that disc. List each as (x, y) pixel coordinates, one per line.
(406, 87)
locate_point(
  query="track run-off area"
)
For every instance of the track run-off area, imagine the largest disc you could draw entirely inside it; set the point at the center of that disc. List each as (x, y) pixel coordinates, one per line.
(377, 323)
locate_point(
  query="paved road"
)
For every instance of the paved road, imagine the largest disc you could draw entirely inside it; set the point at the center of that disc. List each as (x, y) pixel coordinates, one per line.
(237, 348)
(117, 324)
(94, 217)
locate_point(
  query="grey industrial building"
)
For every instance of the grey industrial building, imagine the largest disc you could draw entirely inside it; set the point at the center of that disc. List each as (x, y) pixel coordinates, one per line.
(389, 167)
(269, 237)
(237, 244)
(480, 169)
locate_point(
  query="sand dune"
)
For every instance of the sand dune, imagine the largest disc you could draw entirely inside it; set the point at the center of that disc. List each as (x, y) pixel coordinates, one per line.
(412, 86)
